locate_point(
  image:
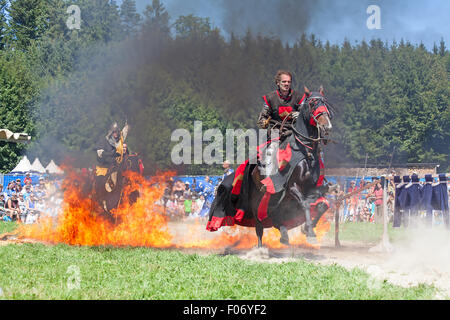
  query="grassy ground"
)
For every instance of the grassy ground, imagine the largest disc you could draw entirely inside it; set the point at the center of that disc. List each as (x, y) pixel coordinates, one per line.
(366, 232)
(36, 271)
(7, 227)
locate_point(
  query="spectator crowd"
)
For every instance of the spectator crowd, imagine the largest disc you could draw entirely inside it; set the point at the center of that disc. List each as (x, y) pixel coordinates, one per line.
(25, 202)
(189, 200)
(367, 205)
(184, 199)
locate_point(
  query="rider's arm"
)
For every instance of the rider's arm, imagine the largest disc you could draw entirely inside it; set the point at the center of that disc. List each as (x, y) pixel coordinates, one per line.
(105, 155)
(264, 117)
(125, 131)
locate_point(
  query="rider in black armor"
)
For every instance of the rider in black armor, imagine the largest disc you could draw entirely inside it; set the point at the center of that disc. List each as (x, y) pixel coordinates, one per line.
(109, 154)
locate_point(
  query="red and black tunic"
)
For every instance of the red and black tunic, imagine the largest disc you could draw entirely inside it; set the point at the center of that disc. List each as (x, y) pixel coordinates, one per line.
(278, 107)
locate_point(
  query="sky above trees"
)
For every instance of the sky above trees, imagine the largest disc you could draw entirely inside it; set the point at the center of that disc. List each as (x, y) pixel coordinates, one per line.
(416, 21)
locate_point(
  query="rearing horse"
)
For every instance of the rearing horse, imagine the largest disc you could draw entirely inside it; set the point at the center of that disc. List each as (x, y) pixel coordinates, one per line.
(282, 198)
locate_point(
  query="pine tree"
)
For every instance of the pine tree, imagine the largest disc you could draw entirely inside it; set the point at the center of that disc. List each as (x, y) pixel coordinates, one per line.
(157, 18)
(3, 23)
(129, 17)
(29, 21)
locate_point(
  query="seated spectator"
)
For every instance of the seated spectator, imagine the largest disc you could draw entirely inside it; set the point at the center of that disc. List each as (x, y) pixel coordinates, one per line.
(40, 206)
(187, 207)
(26, 192)
(171, 206)
(40, 191)
(366, 214)
(33, 213)
(11, 188)
(178, 189)
(200, 202)
(5, 195)
(12, 206)
(49, 187)
(18, 186)
(2, 205)
(180, 208)
(23, 208)
(187, 190)
(27, 179)
(194, 209)
(28, 184)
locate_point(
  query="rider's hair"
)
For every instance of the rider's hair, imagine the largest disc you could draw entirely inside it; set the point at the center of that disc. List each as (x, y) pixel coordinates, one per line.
(280, 73)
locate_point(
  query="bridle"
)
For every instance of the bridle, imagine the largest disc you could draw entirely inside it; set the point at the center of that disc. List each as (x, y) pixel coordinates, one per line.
(317, 106)
(313, 103)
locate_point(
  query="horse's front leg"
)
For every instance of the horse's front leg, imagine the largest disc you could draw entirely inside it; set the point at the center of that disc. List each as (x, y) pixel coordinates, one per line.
(259, 232)
(295, 192)
(309, 229)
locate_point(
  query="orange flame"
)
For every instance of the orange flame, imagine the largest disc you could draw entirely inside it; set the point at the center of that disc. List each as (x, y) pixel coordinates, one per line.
(143, 223)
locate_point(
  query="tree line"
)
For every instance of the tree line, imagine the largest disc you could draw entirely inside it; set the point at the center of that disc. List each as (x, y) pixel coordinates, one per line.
(65, 87)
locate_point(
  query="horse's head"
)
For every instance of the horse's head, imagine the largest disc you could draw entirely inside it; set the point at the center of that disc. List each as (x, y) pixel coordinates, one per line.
(319, 110)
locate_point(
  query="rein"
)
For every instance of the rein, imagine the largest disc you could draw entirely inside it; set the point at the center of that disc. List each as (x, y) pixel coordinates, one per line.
(315, 117)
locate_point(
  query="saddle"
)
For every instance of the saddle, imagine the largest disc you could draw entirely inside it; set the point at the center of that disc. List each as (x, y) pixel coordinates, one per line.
(266, 164)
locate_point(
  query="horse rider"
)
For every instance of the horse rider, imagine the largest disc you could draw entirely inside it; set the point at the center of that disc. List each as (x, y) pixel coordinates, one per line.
(110, 153)
(281, 103)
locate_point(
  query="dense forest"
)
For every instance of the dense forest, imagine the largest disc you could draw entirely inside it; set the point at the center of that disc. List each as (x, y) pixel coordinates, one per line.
(65, 86)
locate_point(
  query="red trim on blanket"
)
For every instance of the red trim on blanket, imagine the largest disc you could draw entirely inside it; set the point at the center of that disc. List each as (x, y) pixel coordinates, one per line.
(238, 178)
(239, 215)
(263, 206)
(284, 156)
(228, 221)
(269, 185)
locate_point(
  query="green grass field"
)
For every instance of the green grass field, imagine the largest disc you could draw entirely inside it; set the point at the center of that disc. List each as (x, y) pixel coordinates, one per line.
(366, 232)
(37, 271)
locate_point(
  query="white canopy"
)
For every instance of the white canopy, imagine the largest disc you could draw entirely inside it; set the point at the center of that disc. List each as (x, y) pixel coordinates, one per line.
(52, 168)
(37, 166)
(7, 135)
(23, 166)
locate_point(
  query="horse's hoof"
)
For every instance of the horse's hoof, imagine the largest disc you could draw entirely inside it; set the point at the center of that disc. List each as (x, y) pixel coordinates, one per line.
(303, 229)
(311, 239)
(284, 241)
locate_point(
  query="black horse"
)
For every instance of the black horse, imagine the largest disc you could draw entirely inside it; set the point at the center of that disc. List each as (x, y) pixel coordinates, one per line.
(291, 194)
(108, 189)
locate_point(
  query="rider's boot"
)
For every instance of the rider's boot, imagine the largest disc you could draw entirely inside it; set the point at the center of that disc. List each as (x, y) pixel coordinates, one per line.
(256, 176)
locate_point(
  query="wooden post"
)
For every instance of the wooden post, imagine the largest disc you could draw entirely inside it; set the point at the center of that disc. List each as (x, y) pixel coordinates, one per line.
(385, 245)
(337, 244)
(337, 205)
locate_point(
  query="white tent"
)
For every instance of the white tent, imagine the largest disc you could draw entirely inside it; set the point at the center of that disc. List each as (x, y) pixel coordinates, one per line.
(37, 166)
(23, 166)
(6, 135)
(52, 168)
